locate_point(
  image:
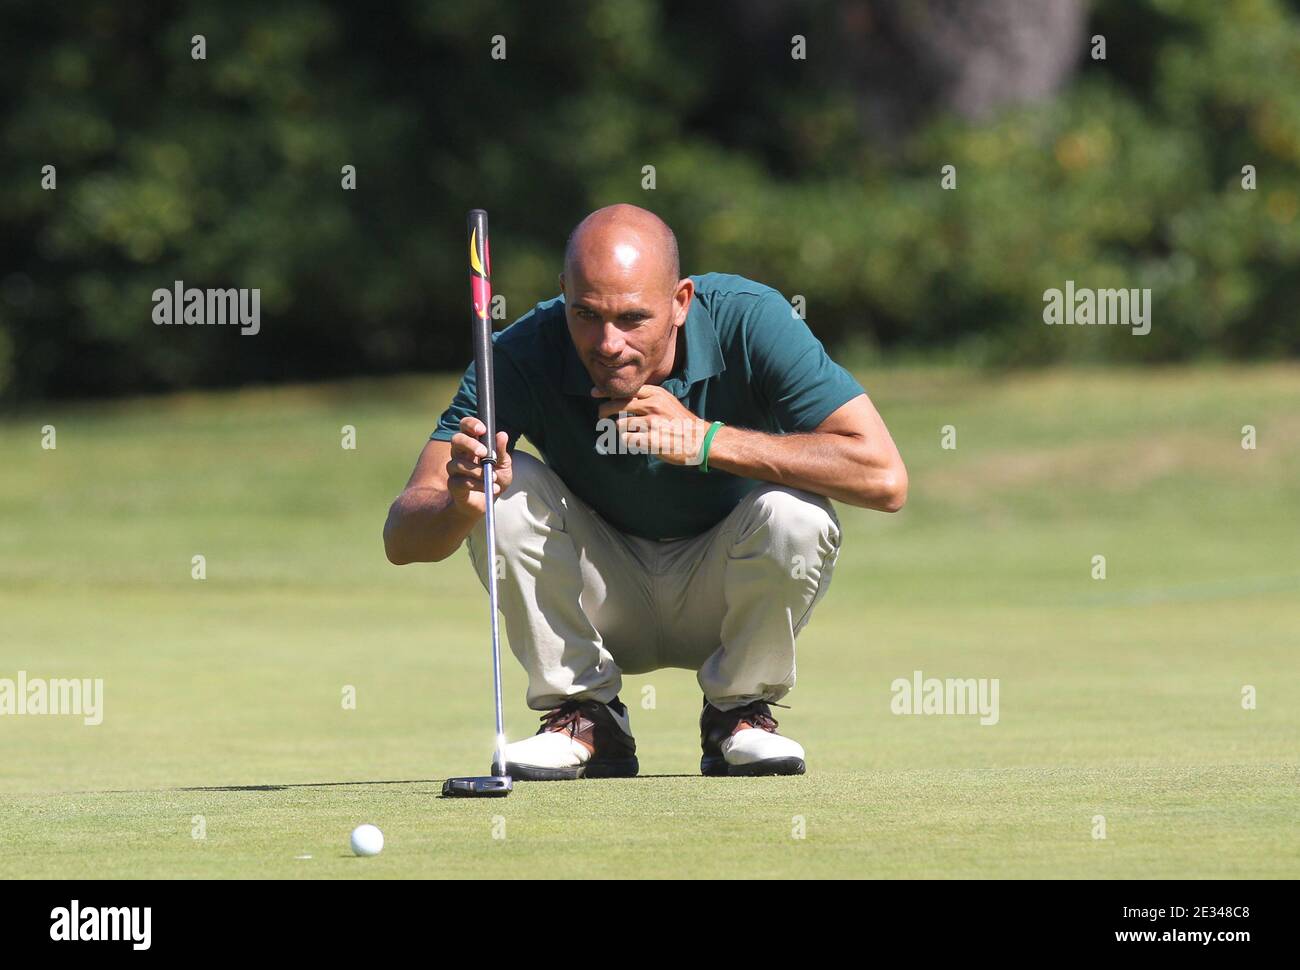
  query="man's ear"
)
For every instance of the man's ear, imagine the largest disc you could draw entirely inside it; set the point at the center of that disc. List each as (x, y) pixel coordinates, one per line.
(562, 284)
(682, 297)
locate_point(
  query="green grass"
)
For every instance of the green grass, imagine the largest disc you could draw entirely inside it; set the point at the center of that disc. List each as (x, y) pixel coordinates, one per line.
(1119, 697)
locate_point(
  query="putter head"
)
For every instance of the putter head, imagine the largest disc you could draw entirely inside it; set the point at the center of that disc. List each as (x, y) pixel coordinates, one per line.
(486, 786)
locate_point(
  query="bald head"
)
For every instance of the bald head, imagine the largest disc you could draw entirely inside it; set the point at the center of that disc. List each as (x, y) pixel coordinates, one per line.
(624, 300)
(623, 241)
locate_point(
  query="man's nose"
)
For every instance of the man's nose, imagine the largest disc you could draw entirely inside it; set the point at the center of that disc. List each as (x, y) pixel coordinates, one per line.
(611, 341)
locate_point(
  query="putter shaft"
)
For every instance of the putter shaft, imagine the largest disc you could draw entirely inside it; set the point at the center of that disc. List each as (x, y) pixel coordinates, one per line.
(489, 486)
(480, 264)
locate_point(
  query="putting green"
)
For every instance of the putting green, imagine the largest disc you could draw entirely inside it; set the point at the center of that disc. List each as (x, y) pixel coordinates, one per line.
(224, 711)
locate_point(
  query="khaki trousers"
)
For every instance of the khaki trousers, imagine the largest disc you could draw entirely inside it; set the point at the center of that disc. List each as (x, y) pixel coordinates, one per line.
(583, 602)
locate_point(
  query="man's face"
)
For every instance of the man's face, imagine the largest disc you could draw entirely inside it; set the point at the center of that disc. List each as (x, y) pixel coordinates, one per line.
(624, 327)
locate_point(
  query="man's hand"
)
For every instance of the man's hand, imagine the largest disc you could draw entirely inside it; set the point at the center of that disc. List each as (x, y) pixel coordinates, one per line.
(655, 423)
(849, 457)
(465, 468)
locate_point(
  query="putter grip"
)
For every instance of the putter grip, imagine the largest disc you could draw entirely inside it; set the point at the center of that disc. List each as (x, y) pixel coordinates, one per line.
(480, 280)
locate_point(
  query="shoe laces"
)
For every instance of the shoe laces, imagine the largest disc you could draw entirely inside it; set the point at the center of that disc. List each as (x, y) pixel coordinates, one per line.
(757, 715)
(562, 718)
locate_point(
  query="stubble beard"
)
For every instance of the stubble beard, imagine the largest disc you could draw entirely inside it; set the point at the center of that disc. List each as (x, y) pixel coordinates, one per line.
(621, 386)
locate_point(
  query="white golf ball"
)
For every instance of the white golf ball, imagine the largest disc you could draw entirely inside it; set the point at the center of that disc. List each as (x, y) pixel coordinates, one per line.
(367, 840)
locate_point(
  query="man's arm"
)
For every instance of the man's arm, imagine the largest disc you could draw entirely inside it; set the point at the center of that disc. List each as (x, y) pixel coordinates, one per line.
(850, 457)
(443, 499)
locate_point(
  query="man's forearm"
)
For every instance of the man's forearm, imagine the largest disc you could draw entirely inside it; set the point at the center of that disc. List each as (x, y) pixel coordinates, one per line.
(425, 525)
(841, 467)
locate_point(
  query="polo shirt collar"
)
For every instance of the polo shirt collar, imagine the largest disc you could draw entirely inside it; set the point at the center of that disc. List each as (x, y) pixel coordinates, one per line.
(703, 357)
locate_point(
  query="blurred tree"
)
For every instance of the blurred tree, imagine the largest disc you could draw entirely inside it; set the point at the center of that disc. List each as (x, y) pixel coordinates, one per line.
(226, 171)
(967, 58)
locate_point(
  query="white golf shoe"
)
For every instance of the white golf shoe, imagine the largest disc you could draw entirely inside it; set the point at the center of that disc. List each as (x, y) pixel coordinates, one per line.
(578, 739)
(743, 741)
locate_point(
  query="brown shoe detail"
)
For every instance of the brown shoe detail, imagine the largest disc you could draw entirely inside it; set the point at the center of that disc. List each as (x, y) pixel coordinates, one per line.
(716, 726)
(568, 717)
(591, 725)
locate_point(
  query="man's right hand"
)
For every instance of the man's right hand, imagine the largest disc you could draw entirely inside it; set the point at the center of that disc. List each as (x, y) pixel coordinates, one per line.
(465, 468)
(443, 499)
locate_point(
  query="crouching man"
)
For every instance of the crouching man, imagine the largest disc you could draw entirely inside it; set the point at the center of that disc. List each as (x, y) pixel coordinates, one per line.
(694, 432)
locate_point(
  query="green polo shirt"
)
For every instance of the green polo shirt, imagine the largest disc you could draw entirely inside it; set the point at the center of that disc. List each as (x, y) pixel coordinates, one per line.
(750, 362)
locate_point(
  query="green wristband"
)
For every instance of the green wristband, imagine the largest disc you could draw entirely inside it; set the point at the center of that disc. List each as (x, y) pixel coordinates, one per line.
(704, 448)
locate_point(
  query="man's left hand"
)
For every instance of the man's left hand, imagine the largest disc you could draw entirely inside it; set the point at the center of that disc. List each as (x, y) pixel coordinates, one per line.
(654, 422)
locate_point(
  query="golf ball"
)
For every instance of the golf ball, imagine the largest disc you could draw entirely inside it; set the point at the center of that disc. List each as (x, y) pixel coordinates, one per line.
(367, 840)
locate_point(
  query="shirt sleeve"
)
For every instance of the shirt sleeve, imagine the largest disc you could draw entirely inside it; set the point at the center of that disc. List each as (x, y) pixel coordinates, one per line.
(513, 400)
(796, 378)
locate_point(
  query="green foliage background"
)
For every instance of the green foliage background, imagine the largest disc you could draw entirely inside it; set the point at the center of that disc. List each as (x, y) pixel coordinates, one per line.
(226, 172)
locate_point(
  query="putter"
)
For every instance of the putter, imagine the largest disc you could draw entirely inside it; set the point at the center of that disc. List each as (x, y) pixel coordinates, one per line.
(498, 784)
